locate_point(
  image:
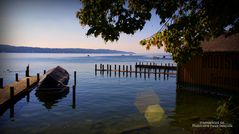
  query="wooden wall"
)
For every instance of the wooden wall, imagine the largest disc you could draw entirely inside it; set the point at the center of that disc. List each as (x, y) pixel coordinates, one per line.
(213, 69)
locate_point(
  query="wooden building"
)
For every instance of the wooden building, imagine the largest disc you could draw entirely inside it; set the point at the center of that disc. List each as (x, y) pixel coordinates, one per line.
(216, 70)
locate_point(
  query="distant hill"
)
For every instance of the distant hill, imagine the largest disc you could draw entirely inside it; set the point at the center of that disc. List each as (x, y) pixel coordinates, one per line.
(23, 49)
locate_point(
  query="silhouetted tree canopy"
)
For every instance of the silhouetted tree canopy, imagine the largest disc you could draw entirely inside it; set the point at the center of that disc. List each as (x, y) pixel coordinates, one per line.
(185, 23)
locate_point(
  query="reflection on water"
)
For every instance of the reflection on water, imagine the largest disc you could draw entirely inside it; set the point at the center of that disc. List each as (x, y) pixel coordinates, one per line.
(147, 102)
(49, 99)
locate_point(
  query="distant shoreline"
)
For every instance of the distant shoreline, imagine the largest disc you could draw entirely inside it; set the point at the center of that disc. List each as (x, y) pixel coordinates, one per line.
(23, 49)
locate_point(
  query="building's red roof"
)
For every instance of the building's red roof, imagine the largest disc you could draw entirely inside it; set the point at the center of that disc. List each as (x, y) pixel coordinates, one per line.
(222, 44)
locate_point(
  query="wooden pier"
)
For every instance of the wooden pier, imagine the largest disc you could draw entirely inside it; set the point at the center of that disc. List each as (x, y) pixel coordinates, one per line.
(12, 92)
(138, 69)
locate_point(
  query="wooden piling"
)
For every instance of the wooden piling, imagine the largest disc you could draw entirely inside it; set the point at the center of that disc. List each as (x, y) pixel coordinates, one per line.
(119, 70)
(148, 72)
(95, 67)
(27, 71)
(110, 70)
(135, 71)
(28, 83)
(44, 72)
(115, 67)
(103, 69)
(1, 82)
(12, 95)
(11, 102)
(74, 96)
(130, 68)
(155, 72)
(38, 77)
(16, 76)
(74, 77)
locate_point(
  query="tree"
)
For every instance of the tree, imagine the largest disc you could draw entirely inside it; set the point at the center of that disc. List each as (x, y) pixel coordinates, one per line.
(185, 23)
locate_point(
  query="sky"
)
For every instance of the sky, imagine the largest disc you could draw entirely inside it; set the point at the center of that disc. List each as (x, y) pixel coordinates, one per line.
(52, 24)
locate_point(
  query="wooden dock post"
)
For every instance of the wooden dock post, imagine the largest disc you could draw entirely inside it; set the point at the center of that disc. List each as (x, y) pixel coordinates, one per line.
(28, 83)
(74, 77)
(1, 82)
(95, 67)
(103, 69)
(115, 69)
(110, 70)
(144, 73)
(136, 70)
(44, 72)
(126, 70)
(155, 72)
(74, 96)
(107, 69)
(148, 72)
(119, 70)
(164, 72)
(12, 95)
(28, 92)
(130, 68)
(27, 71)
(16, 76)
(159, 73)
(38, 77)
(11, 102)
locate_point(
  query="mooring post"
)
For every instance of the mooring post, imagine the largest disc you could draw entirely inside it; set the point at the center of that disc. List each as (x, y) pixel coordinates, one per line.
(16, 76)
(119, 70)
(74, 77)
(11, 102)
(110, 70)
(103, 69)
(44, 72)
(95, 67)
(126, 70)
(123, 69)
(28, 83)
(38, 77)
(1, 82)
(148, 72)
(27, 71)
(12, 95)
(74, 96)
(136, 71)
(155, 72)
(164, 71)
(115, 70)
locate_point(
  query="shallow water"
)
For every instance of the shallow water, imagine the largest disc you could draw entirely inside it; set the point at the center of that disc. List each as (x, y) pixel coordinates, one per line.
(104, 104)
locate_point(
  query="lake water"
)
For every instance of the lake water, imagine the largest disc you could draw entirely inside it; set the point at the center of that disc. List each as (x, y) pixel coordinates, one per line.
(104, 104)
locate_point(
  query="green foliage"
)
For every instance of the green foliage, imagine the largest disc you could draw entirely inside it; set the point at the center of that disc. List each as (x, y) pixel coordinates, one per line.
(186, 23)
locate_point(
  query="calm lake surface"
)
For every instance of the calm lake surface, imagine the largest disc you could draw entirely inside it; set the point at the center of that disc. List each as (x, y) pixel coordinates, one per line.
(104, 104)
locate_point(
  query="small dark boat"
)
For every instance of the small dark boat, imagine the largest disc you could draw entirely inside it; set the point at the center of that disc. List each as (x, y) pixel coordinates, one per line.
(55, 80)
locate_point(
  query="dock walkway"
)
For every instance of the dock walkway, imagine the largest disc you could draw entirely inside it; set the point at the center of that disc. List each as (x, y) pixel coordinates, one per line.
(19, 87)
